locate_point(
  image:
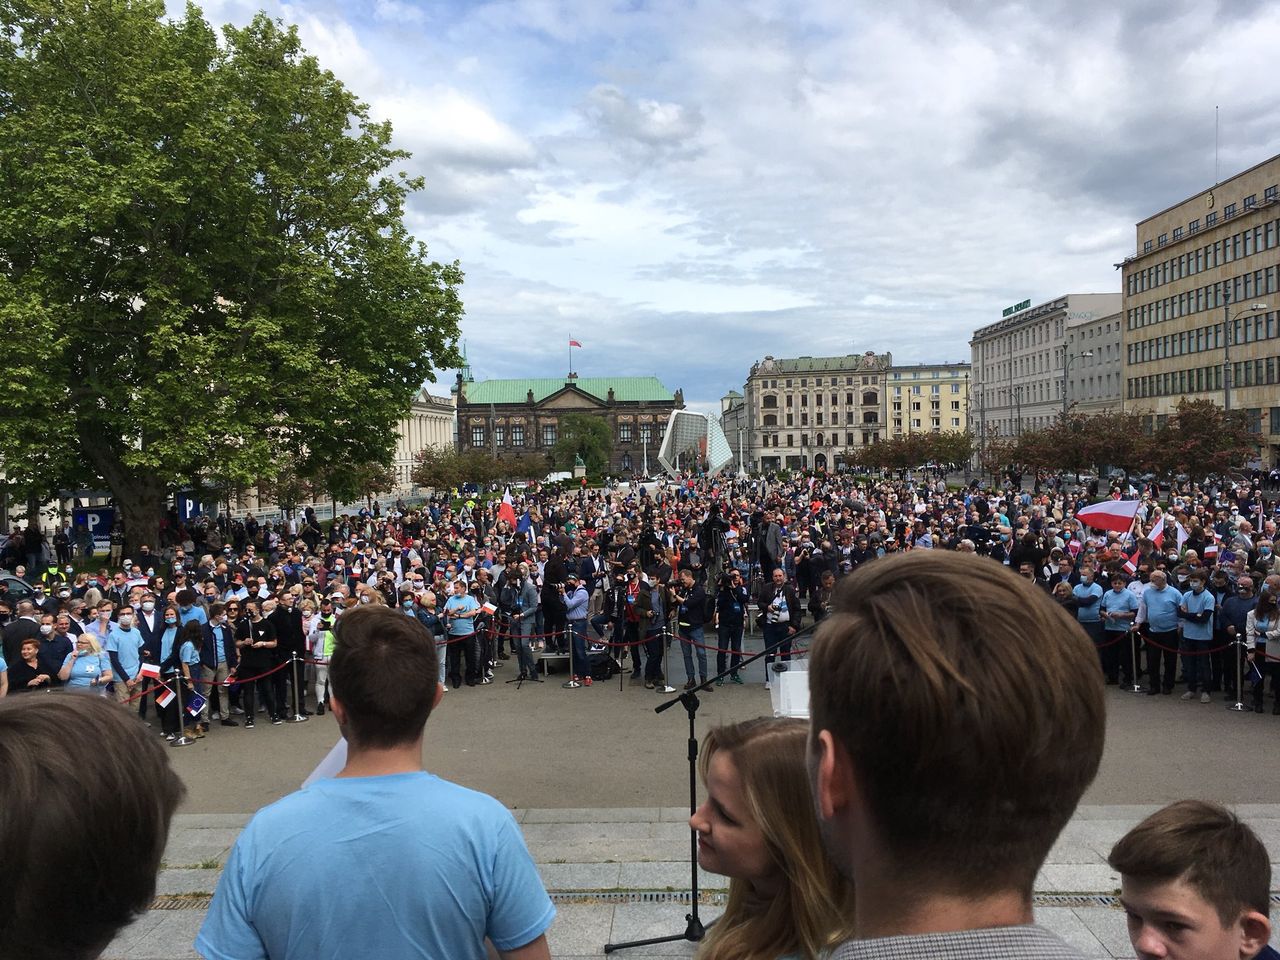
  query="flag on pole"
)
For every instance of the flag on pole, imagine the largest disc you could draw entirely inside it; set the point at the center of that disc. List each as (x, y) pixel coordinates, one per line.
(525, 524)
(1114, 515)
(164, 697)
(575, 343)
(1156, 535)
(507, 510)
(149, 670)
(1182, 535)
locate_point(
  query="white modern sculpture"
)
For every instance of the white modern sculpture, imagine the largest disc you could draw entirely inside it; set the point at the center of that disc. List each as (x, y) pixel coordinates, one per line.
(697, 434)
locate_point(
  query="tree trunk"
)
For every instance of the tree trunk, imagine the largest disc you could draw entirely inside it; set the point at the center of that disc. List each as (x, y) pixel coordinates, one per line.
(141, 506)
(33, 512)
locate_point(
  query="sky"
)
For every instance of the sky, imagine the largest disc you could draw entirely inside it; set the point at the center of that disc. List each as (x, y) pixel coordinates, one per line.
(686, 187)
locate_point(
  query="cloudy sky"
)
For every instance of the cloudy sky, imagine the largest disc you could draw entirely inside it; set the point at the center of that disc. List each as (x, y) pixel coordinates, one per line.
(688, 186)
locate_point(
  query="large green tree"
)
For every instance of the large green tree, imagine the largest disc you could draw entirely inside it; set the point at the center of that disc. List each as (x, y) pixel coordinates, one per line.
(586, 437)
(205, 276)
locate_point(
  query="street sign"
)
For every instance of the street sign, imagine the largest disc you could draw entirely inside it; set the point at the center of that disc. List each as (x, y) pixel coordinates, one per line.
(98, 521)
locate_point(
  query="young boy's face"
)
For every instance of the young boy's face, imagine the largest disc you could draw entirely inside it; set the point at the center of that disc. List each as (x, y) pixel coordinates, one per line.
(1169, 920)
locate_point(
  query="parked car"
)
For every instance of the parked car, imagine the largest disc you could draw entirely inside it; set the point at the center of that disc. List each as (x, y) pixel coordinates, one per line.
(15, 587)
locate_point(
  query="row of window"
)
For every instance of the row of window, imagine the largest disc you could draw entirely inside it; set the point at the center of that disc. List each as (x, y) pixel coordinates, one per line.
(771, 419)
(933, 374)
(934, 405)
(1021, 339)
(770, 402)
(1247, 329)
(934, 389)
(1241, 289)
(935, 425)
(479, 436)
(774, 440)
(1264, 371)
(1243, 244)
(1211, 219)
(870, 381)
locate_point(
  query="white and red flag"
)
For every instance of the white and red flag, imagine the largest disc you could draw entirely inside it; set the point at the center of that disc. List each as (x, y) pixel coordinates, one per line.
(1114, 515)
(507, 510)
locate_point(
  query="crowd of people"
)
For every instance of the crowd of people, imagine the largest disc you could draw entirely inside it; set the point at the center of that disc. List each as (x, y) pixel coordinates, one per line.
(233, 619)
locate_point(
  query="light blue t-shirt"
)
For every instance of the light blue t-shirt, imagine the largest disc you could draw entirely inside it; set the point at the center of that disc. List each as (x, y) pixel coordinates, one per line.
(1198, 603)
(127, 646)
(1087, 611)
(86, 670)
(1162, 608)
(1122, 602)
(400, 866)
(461, 611)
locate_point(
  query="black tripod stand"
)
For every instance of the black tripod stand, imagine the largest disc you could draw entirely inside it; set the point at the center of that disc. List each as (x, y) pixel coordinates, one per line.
(695, 929)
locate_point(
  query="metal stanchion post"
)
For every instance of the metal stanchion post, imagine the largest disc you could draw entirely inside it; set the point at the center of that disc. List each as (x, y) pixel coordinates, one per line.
(573, 682)
(666, 662)
(1134, 685)
(181, 740)
(1239, 704)
(297, 712)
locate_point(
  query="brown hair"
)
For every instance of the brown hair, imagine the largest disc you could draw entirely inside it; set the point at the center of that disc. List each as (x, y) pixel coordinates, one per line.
(814, 910)
(378, 670)
(110, 789)
(1206, 845)
(971, 707)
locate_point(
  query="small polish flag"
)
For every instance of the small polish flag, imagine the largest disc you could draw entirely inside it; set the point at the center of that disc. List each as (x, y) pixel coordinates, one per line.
(489, 608)
(149, 670)
(507, 511)
(164, 697)
(575, 343)
(1156, 535)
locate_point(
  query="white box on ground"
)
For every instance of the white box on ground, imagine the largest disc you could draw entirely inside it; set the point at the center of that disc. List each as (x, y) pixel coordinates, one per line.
(789, 690)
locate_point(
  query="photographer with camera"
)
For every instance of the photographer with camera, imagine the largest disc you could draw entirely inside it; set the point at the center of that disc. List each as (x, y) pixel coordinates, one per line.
(781, 612)
(729, 621)
(691, 602)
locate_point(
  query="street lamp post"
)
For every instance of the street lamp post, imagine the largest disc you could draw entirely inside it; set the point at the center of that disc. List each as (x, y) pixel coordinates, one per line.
(1228, 331)
(1067, 360)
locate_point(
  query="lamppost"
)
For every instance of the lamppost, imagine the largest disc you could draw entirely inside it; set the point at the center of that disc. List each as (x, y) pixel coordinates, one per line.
(1067, 361)
(1228, 330)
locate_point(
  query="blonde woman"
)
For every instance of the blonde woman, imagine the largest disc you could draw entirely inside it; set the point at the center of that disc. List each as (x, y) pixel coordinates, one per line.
(86, 668)
(757, 827)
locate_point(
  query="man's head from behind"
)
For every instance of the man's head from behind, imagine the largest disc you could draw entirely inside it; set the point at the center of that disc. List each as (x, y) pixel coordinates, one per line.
(1195, 883)
(375, 677)
(957, 718)
(82, 781)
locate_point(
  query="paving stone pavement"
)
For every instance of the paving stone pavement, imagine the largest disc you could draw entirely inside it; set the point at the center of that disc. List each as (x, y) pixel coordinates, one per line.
(618, 874)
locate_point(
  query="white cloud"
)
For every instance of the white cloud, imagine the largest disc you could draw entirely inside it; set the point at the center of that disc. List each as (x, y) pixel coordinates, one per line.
(397, 11)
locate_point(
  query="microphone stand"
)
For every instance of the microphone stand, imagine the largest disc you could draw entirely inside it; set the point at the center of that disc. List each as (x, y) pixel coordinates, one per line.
(695, 929)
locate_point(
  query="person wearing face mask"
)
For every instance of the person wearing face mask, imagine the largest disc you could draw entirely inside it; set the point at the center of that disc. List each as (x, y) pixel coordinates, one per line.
(1088, 594)
(86, 668)
(55, 644)
(124, 648)
(217, 661)
(42, 600)
(291, 641)
(256, 642)
(1158, 611)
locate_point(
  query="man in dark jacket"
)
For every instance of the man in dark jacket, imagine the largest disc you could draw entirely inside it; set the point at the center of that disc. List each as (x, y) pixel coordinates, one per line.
(691, 616)
(218, 658)
(290, 640)
(782, 615)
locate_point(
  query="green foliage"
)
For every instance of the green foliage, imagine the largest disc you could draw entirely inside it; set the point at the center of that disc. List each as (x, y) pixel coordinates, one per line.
(203, 258)
(443, 468)
(586, 437)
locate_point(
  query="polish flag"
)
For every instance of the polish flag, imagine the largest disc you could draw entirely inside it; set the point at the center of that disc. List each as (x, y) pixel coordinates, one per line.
(1183, 536)
(149, 670)
(1114, 515)
(164, 697)
(575, 343)
(507, 511)
(1156, 535)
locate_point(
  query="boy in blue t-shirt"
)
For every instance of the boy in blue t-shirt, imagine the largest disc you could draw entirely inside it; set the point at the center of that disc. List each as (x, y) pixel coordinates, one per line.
(1196, 612)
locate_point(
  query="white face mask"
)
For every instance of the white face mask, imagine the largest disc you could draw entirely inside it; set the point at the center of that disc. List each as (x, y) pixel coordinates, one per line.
(148, 606)
(126, 622)
(46, 628)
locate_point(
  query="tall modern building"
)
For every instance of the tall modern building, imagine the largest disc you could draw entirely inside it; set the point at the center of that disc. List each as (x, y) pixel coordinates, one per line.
(1021, 363)
(927, 398)
(1096, 383)
(1201, 309)
(808, 411)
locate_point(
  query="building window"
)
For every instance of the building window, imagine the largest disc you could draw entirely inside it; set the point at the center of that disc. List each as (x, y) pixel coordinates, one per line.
(477, 436)
(500, 436)
(791, 420)
(1177, 233)
(624, 433)
(769, 402)
(1270, 193)
(870, 417)
(645, 428)
(548, 434)
(1211, 218)
(870, 399)
(1146, 247)
(770, 420)
(791, 439)
(818, 382)
(517, 435)
(1228, 211)
(1194, 226)
(626, 463)
(1162, 239)
(1251, 201)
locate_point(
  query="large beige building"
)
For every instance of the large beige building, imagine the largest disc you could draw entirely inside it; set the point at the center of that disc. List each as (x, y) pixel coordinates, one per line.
(927, 398)
(807, 411)
(1199, 293)
(1096, 381)
(1021, 362)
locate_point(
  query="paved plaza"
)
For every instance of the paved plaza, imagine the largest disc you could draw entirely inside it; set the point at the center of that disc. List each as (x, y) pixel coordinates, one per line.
(598, 783)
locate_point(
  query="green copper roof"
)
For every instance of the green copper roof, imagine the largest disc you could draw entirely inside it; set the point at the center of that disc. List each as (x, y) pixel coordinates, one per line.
(625, 389)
